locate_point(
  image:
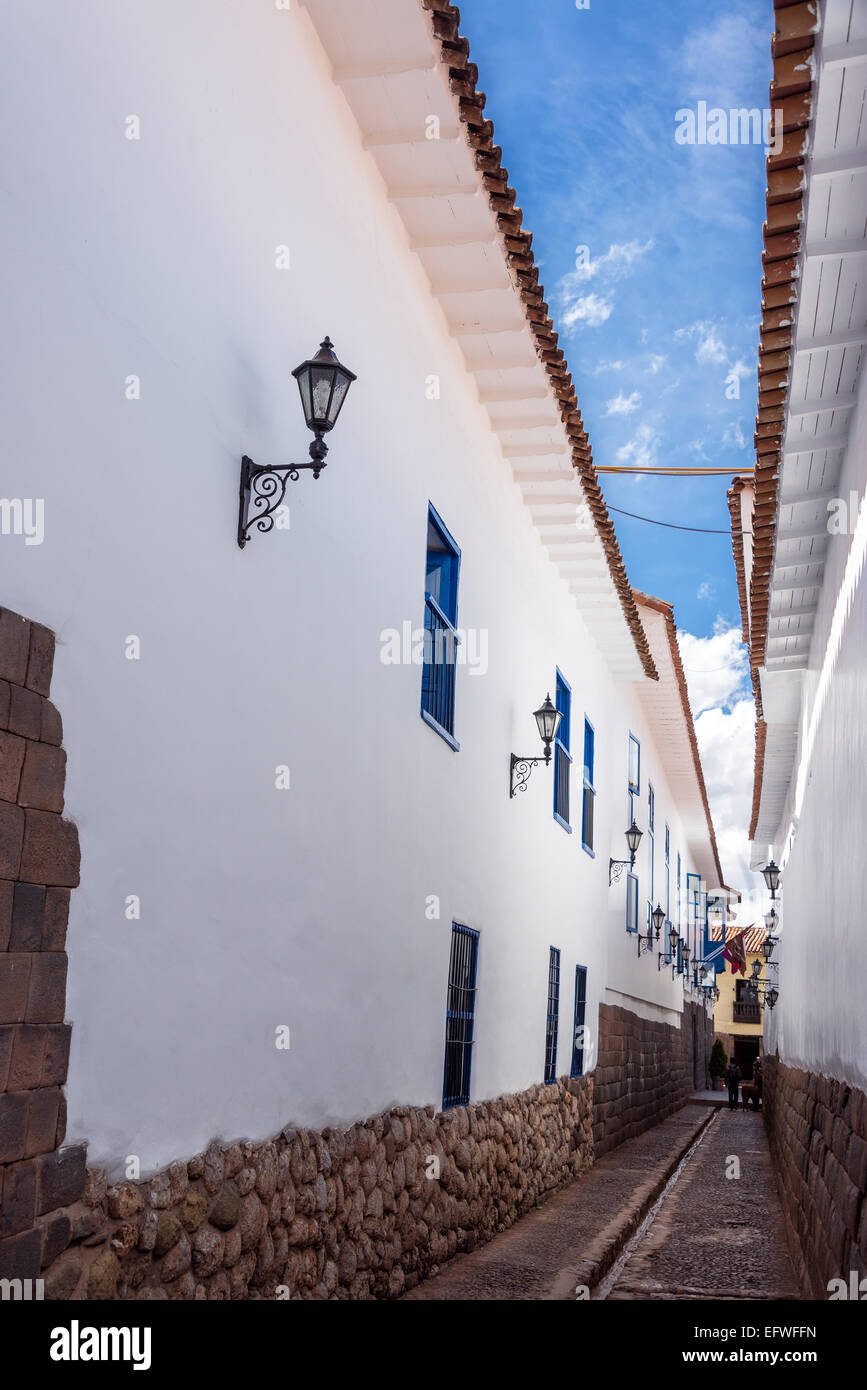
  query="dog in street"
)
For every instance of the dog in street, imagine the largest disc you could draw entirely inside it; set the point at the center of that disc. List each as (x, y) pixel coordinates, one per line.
(751, 1093)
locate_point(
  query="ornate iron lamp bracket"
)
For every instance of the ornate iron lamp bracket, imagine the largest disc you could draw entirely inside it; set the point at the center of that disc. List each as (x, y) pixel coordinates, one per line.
(263, 489)
(615, 869)
(519, 772)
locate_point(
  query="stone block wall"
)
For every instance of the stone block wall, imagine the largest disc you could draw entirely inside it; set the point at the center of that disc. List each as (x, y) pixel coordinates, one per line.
(350, 1214)
(646, 1070)
(817, 1128)
(39, 863)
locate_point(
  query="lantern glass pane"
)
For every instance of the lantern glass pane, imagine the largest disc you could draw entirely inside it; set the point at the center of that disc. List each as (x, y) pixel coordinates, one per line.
(322, 380)
(341, 386)
(304, 387)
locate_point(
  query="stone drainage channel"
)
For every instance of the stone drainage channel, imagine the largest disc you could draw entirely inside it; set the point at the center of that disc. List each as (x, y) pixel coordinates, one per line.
(608, 1282)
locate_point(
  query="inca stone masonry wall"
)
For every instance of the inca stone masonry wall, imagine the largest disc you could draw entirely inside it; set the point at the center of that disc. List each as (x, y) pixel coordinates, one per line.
(646, 1070)
(38, 866)
(817, 1128)
(357, 1214)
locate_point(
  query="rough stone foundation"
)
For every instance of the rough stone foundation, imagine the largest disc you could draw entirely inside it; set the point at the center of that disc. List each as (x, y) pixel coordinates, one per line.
(817, 1128)
(339, 1214)
(38, 866)
(646, 1070)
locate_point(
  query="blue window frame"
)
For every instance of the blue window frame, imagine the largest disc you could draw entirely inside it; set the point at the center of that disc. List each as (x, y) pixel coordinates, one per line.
(693, 908)
(651, 839)
(678, 890)
(442, 571)
(667, 875)
(460, 1016)
(588, 805)
(634, 766)
(632, 902)
(553, 1016)
(577, 1068)
(562, 756)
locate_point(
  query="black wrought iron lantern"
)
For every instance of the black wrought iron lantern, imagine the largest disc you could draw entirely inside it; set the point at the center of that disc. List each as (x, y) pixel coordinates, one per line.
(616, 866)
(685, 955)
(547, 718)
(673, 939)
(323, 382)
(771, 997)
(768, 947)
(771, 921)
(658, 917)
(771, 875)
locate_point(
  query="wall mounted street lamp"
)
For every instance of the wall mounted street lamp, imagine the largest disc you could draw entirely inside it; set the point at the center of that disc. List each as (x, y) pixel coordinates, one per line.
(771, 997)
(768, 947)
(547, 719)
(646, 943)
(323, 382)
(771, 920)
(771, 875)
(616, 866)
(669, 959)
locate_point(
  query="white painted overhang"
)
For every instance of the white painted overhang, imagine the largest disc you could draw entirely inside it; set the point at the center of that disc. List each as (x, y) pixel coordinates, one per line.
(830, 341)
(387, 63)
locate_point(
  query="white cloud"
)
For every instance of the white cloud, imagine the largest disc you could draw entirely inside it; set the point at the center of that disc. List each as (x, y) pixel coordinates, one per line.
(717, 671)
(623, 405)
(641, 451)
(591, 309)
(734, 435)
(614, 264)
(717, 675)
(657, 361)
(608, 367)
(711, 347)
(576, 307)
(705, 590)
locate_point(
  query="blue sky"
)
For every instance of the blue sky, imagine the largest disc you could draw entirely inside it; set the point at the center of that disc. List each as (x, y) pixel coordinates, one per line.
(583, 103)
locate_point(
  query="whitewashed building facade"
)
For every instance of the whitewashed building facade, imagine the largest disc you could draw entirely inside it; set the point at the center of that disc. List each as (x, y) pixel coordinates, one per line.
(291, 831)
(800, 533)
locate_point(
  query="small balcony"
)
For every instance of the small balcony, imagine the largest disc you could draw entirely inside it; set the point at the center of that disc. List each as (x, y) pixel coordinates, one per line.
(746, 1012)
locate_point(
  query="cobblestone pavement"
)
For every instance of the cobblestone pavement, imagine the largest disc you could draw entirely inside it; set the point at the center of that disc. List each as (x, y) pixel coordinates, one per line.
(711, 1237)
(716, 1236)
(575, 1237)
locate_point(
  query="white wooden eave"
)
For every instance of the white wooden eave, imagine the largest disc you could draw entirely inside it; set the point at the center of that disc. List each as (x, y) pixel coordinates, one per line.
(386, 61)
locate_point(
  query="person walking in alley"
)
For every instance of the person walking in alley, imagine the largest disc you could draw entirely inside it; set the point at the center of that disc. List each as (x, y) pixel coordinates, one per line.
(733, 1076)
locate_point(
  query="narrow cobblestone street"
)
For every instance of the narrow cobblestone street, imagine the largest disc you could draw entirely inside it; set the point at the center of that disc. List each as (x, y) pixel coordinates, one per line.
(656, 1219)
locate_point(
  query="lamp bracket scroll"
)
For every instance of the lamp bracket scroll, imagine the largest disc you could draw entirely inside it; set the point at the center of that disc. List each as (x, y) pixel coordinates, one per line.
(265, 488)
(519, 772)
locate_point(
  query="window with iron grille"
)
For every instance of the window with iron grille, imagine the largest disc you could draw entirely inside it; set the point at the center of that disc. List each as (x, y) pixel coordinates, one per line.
(553, 1016)
(460, 1016)
(667, 876)
(632, 902)
(589, 803)
(634, 765)
(440, 631)
(577, 1068)
(562, 756)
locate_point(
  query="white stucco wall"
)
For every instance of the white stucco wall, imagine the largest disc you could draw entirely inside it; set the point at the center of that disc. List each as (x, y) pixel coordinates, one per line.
(260, 907)
(820, 1022)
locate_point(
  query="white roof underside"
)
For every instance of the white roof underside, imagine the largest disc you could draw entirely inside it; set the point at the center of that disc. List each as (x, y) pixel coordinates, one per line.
(386, 61)
(830, 342)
